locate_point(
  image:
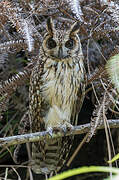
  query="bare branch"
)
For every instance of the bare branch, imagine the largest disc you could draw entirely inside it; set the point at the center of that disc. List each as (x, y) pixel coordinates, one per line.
(39, 136)
(6, 46)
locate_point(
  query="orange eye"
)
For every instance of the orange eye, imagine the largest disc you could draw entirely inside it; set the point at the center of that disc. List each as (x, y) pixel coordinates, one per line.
(69, 44)
(51, 43)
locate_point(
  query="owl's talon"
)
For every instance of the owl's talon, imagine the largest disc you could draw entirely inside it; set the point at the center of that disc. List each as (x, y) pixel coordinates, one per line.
(50, 131)
(66, 128)
(63, 129)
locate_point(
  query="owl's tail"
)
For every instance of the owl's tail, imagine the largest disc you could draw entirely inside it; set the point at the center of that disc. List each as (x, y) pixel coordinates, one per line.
(50, 156)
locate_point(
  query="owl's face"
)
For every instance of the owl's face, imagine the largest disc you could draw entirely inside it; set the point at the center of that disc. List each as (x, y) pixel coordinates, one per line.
(60, 45)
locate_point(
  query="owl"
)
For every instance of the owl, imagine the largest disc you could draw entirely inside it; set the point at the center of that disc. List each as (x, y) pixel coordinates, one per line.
(57, 88)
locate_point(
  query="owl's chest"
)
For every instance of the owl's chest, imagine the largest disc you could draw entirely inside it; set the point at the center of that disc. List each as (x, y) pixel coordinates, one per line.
(60, 84)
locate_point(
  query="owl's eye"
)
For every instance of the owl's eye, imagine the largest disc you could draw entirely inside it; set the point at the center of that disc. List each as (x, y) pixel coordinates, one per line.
(69, 44)
(51, 43)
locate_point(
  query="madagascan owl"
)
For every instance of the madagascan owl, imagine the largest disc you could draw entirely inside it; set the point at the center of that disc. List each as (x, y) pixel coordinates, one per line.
(57, 87)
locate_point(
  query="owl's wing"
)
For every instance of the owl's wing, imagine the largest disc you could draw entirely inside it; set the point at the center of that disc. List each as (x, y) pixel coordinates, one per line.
(79, 101)
(38, 105)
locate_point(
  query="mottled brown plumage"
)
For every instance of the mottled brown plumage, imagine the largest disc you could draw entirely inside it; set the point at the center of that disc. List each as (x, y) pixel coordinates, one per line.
(57, 88)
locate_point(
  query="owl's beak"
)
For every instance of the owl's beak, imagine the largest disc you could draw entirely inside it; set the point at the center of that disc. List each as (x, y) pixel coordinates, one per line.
(60, 53)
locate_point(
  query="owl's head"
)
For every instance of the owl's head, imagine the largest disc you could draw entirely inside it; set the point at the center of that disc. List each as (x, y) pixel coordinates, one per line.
(58, 44)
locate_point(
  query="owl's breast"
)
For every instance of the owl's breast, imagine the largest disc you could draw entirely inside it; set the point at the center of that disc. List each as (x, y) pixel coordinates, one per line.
(60, 88)
(61, 83)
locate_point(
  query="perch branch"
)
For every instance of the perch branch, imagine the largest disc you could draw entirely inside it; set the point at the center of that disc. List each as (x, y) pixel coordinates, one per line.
(39, 136)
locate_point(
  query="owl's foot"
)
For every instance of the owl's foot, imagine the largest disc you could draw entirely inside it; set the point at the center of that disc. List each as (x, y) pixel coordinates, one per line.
(65, 127)
(61, 128)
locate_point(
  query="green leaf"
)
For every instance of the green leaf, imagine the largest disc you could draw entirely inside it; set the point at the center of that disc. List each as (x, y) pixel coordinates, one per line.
(83, 170)
(114, 158)
(112, 67)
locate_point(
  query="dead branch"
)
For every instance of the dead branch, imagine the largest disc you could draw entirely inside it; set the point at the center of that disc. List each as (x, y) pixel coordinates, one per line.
(39, 136)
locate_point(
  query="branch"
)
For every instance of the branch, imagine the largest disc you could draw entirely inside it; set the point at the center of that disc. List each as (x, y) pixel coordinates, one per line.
(39, 136)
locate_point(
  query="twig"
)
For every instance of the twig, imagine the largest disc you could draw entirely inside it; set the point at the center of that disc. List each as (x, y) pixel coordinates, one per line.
(100, 72)
(39, 136)
(77, 150)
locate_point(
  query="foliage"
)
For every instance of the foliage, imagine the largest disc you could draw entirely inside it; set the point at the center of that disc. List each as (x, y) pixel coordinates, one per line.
(83, 170)
(22, 27)
(115, 158)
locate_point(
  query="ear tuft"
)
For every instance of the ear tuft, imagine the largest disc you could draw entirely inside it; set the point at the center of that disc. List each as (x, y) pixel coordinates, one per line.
(50, 26)
(75, 28)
